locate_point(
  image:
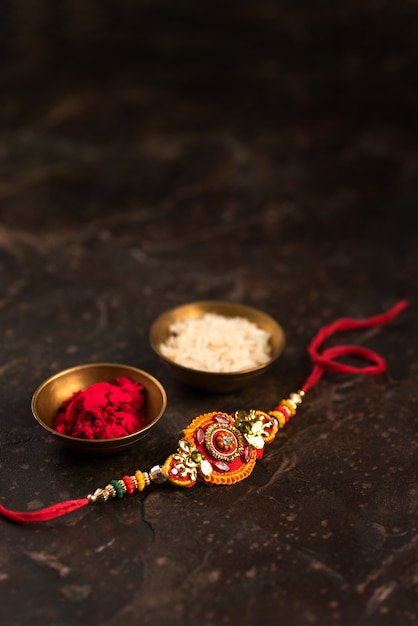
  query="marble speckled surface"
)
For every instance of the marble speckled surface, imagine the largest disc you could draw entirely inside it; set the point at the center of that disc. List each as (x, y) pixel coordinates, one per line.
(258, 152)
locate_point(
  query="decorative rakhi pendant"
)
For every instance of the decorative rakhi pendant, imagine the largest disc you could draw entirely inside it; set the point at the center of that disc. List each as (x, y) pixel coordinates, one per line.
(217, 449)
(220, 449)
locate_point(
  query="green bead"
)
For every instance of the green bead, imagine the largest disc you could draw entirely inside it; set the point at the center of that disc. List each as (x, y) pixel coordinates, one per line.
(197, 457)
(244, 426)
(118, 488)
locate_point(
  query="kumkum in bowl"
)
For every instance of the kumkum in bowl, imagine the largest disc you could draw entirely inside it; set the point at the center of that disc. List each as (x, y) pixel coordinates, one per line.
(49, 397)
(231, 339)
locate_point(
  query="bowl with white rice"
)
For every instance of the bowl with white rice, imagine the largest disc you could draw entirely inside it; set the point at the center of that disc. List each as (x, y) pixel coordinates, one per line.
(217, 346)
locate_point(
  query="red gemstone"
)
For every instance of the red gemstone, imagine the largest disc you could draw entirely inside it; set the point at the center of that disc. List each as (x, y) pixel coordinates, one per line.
(221, 466)
(247, 454)
(221, 419)
(199, 436)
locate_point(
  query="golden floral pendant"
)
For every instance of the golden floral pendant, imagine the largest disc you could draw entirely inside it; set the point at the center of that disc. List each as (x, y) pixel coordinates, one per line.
(220, 448)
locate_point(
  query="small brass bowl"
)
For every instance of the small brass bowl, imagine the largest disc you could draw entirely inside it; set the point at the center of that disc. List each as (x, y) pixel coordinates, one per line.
(216, 381)
(49, 396)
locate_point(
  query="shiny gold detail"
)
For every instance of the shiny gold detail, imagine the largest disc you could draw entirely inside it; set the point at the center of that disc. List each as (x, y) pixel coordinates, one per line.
(224, 455)
(296, 398)
(255, 426)
(184, 446)
(175, 472)
(184, 466)
(102, 495)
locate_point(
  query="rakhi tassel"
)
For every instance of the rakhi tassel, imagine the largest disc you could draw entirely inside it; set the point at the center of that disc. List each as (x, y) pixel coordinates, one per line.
(42, 515)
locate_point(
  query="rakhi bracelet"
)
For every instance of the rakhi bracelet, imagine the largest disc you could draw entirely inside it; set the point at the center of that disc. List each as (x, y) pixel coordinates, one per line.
(217, 449)
(220, 448)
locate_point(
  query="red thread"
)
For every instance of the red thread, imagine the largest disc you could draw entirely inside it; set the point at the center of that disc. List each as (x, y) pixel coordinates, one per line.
(326, 360)
(43, 515)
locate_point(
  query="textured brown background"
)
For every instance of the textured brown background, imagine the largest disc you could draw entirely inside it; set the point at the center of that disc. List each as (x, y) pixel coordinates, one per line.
(153, 153)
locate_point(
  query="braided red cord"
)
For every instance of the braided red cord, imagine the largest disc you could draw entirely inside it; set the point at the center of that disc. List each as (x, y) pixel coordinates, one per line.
(43, 515)
(327, 360)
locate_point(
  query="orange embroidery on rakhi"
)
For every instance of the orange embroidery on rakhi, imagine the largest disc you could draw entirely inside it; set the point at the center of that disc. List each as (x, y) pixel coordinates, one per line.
(200, 422)
(234, 477)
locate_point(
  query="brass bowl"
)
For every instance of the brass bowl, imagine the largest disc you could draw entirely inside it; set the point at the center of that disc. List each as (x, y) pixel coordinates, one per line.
(49, 396)
(216, 381)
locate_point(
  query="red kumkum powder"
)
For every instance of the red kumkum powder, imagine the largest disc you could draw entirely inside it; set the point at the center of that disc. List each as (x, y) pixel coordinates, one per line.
(104, 410)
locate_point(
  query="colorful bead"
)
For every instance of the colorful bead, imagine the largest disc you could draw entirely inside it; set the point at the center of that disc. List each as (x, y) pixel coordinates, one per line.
(285, 410)
(140, 479)
(224, 442)
(279, 417)
(118, 488)
(290, 405)
(128, 484)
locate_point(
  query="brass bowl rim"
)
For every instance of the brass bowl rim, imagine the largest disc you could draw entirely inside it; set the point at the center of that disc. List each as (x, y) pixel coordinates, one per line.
(98, 442)
(206, 305)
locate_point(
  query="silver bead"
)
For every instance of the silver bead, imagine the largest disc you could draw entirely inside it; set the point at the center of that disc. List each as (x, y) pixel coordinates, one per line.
(296, 398)
(156, 474)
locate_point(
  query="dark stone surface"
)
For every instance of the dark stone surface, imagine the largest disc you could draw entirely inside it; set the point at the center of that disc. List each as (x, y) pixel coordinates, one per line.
(258, 152)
